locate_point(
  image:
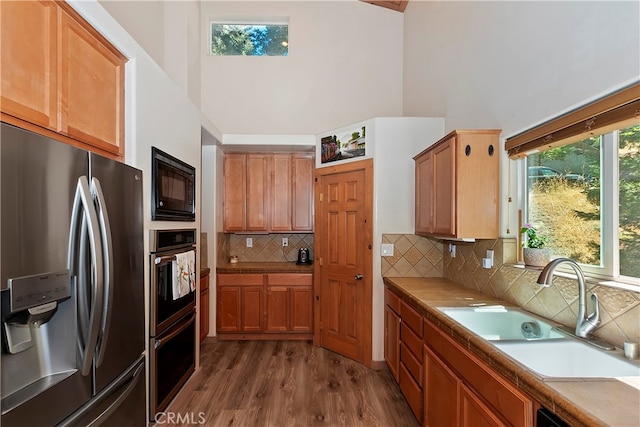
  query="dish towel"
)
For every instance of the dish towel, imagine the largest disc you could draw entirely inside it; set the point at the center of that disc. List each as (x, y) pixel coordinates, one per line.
(184, 274)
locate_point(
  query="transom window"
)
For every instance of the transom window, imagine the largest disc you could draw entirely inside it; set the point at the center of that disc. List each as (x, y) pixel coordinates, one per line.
(253, 39)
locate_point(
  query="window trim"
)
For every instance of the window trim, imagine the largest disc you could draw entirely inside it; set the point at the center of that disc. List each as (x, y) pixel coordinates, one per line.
(274, 21)
(597, 117)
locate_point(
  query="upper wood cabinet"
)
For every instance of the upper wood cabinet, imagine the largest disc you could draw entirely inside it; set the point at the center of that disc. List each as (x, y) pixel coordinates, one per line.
(258, 190)
(91, 85)
(457, 186)
(302, 192)
(28, 61)
(60, 77)
(281, 179)
(268, 192)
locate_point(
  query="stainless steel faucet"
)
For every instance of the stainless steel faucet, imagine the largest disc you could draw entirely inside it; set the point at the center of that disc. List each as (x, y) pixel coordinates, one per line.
(585, 323)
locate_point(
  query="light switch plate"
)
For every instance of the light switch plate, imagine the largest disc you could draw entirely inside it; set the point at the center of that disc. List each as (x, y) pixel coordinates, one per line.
(386, 249)
(249, 242)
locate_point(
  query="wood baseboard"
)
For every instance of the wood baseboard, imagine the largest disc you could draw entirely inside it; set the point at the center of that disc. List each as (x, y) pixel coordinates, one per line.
(378, 365)
(264, 337)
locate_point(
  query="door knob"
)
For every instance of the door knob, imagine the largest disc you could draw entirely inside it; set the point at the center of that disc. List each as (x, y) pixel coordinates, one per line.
(358, 276)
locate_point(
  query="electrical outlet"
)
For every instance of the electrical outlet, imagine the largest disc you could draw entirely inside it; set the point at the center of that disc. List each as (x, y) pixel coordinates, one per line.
(452, 250)
(285, 241)
(387, 249)
(249, 242)
(490, 255)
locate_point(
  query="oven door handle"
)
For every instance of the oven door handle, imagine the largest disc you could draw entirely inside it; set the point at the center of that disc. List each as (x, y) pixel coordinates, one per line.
(167, 258)
(185, 324)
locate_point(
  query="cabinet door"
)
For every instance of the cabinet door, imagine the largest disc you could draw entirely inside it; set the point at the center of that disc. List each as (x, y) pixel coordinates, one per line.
(228, 309)
(392, 341)
(303, 166)
(28, 61)
(258, 174)
(235, 187)
(444, 187)
(204, 314)
(251, 305)
(281, 192)
(441, 388)
(277, 309)
(411, 391)
(91, 87)
(302, 309)
(474, 413)
(204, 307)
(424, 193)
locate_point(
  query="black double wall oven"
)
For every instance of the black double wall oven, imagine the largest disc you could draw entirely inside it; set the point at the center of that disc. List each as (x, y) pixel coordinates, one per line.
(173, 317)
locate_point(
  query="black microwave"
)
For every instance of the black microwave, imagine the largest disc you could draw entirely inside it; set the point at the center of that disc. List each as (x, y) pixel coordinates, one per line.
(173, 188)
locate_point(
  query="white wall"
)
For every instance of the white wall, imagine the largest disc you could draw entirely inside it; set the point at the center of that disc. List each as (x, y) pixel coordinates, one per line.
(510, 65)
(210, 200)
(344, 65)
(169, 31)
(396, 141)
(143, 20)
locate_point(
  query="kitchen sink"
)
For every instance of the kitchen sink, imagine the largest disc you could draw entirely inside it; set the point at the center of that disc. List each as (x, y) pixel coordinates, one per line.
(539, 346)
(567, 358)
(499, 323)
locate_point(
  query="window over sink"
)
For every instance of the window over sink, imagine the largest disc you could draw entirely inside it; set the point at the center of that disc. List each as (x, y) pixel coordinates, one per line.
(580, 187)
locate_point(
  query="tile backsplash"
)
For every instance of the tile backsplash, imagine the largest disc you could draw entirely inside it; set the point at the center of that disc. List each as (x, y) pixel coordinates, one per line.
(266, 247)
(413, 256)
(619, 309)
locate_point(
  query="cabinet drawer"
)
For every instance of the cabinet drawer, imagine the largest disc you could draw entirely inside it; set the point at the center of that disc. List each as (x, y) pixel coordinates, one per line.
(411, 340)
(411, 391)
(392, 300)
(240, 279)
(289, 279)
(507, 400)
(411, 318)
(413, 365)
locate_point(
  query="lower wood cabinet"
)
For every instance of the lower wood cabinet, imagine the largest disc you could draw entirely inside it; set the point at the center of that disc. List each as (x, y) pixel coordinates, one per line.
(204, 306)
(256, 306)
(392, 341)
(403, 349)
(441, 407)
(289, 303)
(457, 382)
(444, 384)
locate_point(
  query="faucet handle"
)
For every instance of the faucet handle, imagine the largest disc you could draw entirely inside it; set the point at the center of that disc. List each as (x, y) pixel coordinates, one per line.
(594, 318)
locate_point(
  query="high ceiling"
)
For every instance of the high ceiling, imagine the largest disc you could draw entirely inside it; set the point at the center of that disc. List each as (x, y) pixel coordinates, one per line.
(394, 5)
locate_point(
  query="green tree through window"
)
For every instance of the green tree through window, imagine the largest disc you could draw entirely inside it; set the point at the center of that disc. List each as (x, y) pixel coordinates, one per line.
(249, 40)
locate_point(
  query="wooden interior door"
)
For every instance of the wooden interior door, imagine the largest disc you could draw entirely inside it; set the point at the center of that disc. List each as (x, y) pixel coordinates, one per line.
(343, 259)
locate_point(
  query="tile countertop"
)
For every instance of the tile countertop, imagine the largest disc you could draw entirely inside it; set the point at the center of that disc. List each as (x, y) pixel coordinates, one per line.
(263, 267)
(590, 402)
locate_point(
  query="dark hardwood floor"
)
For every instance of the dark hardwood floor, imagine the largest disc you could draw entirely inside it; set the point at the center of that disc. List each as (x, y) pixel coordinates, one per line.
(287, 383)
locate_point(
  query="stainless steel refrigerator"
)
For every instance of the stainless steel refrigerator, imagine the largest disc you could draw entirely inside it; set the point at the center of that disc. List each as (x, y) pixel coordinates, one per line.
(71, 285)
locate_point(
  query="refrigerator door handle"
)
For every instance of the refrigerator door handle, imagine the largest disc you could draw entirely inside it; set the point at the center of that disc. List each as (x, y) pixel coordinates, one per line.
(107, 248)
(116, 403)
(83, 204)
